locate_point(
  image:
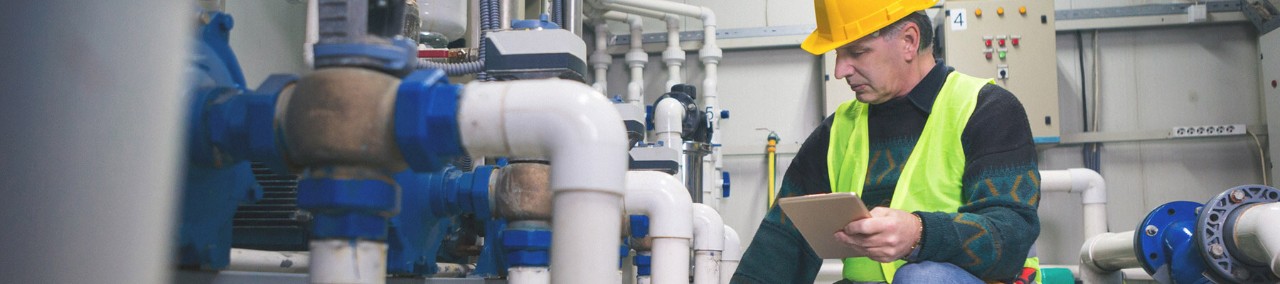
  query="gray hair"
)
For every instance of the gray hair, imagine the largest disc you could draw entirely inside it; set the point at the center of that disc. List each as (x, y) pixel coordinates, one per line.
(922, 22)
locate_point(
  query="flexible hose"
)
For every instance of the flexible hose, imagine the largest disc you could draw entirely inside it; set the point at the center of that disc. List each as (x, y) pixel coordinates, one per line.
(557, 12)
(453, 69)
(489, 19)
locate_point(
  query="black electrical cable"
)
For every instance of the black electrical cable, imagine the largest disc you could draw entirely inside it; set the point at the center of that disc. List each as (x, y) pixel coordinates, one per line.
(1089, 152)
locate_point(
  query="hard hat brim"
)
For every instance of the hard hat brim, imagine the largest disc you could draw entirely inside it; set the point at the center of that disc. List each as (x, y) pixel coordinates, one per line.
(817, 45)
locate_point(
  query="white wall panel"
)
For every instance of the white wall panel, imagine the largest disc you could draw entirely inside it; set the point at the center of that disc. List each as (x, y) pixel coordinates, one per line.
(268, 37)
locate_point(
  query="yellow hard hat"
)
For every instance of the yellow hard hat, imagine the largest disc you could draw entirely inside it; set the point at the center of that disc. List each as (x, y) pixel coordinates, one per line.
(843, 21)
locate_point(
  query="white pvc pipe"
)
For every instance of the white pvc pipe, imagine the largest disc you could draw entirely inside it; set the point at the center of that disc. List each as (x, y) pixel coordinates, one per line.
(706, 267)
(732, 254)
(1093, 190)
(335, 261)
(313, 33)
(636, 57)
(1258, 236)
(665, 200)
(708, 244)
(528, 275)
(673, 55)
(268, 261)
(668, 116)
(600, 58)
(1102, 256)
(582, 134)
(667, 7)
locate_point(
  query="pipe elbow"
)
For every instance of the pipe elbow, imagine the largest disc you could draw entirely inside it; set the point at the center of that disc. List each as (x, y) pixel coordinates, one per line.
(732, 245)
(1091, 184)
(707, 16)
(708, 228)
(664, 199)
(668, 116)
(636, 23)
(566, 121)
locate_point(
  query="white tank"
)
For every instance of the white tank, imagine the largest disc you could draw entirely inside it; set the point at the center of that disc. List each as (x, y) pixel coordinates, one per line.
(444, 17)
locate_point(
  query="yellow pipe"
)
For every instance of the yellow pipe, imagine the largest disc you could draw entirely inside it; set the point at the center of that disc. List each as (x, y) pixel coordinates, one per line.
(773, 164)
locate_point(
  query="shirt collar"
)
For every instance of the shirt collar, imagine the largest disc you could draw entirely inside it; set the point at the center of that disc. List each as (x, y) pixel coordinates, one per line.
(923, 95)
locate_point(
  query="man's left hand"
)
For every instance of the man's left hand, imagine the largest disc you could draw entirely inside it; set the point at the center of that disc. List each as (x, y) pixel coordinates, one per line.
(888, 235)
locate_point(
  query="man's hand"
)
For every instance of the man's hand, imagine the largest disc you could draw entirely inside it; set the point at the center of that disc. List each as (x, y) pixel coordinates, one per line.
(888, 235)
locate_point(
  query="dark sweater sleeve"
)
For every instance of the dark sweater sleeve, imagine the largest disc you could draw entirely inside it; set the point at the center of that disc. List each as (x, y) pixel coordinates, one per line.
(992, 232)
(778, 253)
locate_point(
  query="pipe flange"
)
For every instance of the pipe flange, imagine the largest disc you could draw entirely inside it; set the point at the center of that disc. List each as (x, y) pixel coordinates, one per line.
(1216, 220)
(1164, 239)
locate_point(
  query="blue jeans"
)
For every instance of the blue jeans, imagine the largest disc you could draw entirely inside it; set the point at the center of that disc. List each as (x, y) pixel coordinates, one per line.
(934, 273)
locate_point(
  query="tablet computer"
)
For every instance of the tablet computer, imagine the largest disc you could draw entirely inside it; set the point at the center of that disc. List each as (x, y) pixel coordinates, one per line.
(819, 216)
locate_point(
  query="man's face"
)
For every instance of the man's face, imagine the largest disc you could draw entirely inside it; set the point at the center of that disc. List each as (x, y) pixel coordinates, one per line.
(872, 66)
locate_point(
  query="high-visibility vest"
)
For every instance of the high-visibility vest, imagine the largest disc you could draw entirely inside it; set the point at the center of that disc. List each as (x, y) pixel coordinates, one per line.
(931, 178)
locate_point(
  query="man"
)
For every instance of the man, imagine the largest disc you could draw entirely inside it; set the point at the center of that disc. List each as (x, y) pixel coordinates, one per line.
(947, 161)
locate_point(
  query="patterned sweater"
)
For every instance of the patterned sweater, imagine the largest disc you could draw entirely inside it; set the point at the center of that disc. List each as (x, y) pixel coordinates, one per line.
(989, 236)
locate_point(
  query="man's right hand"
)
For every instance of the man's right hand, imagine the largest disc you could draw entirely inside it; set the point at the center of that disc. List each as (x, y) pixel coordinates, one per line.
(888, 235)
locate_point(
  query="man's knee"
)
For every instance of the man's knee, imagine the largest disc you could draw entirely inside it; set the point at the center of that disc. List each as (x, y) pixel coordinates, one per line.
(933, 272)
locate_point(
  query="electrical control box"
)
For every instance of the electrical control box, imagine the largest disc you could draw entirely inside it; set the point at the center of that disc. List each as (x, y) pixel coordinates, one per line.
(1013, 42)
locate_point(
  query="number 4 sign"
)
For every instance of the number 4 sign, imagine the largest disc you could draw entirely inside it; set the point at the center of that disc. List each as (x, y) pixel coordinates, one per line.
(959, 22)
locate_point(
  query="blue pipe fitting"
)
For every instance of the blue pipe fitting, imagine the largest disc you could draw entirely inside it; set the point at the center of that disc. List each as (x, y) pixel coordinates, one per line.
(1166, 246)
(527, 247)
(454, 192)
(724, 176)
(644, 265)
(397, 58)
(492, 262)
(623, 252)
(348, 209)
(540, 24)
(639, 226)
(242, 126)
(216, 35)
(426, 120)
(431, 199)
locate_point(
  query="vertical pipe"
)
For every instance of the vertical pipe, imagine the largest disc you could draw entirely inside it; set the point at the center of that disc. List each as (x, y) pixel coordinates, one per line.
(473, 24)
(670, 260)
(93, 109)
(529, 275)
(580, 132)
(636, 58)
(504, 15)
(348, 261)
(732, 254)
(706, 267)
(313, 33)
(708, 244)
(573, 16)
(600, 58)
(673, 56)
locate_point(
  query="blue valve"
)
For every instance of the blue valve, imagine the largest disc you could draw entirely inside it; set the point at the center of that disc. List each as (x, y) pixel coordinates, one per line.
(639, 226)
(724, 176)
(724, 114)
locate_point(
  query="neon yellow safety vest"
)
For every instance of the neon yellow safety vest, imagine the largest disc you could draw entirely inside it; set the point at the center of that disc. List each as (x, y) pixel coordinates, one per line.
(931, 178)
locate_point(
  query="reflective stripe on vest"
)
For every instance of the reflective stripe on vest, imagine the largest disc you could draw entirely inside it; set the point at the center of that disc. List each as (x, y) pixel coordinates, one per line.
(931, 178)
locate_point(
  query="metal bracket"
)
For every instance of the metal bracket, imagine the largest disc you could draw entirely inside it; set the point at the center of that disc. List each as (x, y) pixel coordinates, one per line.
(1142, 10)
(623, 40)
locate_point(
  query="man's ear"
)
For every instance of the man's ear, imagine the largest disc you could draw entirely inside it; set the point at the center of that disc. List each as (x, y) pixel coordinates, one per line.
(910, 36)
